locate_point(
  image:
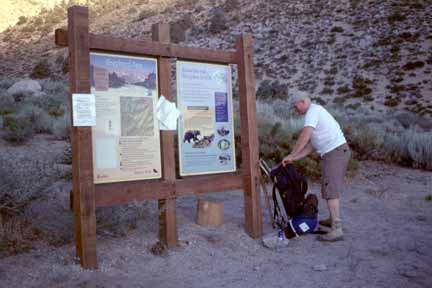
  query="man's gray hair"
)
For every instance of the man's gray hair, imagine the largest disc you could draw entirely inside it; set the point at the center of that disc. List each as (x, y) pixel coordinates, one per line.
(296, 96)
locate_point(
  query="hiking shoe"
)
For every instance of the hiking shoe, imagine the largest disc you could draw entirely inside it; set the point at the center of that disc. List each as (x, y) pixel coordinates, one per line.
(336, 233)
(326, 222)
(275, 240)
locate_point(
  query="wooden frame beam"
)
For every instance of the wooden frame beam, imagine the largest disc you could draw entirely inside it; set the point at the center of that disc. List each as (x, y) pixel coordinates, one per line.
(151, 48)
(127, 192)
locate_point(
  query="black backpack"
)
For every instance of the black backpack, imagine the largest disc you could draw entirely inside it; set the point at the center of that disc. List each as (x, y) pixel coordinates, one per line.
(292, 187)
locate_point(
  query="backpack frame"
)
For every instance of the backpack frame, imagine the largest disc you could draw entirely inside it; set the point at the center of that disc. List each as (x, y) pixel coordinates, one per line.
(289, 190)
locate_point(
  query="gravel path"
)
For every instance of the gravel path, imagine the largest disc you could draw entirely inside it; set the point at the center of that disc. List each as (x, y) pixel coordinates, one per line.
(388, 243)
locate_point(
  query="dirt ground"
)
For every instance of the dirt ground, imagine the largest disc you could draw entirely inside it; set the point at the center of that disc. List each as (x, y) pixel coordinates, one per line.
(388, 243)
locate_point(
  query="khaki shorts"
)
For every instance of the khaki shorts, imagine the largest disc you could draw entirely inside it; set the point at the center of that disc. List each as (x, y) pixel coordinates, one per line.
(334, 166)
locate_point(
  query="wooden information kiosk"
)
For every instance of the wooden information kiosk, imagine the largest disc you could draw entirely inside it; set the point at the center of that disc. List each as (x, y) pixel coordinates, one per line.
(87, 195)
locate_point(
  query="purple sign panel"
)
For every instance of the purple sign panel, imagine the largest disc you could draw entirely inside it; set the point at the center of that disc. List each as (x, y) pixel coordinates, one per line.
(221, 106)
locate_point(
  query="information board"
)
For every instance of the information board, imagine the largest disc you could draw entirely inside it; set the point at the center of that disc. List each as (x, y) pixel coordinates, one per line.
(126, 144)
(206, 130)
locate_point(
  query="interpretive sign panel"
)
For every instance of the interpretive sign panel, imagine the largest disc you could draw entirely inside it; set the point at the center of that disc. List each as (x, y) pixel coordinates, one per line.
(126, 143)
(206, 130)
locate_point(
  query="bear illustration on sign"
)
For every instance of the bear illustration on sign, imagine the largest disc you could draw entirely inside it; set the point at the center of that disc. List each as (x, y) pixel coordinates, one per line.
(191, 135)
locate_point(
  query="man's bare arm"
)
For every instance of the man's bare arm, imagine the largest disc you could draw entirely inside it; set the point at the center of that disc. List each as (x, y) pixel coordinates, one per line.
(308, 149)
(302, 141)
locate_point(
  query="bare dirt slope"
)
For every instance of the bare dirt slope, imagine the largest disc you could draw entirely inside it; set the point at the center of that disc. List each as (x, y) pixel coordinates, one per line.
(388, 243)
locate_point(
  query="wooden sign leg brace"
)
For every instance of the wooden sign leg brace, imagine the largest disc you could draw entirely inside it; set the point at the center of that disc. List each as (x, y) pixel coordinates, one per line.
(249, 137)
(82, 157)
(167, 208)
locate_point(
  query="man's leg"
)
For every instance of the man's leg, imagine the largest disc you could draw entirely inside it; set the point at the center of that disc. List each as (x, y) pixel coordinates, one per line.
(334, 169)
(333, 207)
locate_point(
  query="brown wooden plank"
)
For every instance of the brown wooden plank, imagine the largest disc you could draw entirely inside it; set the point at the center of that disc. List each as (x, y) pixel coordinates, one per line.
(167, 207)
(127, 192)
(153, 48)
(61, 37)
(249, 137)
(194, 185)
(82, 158)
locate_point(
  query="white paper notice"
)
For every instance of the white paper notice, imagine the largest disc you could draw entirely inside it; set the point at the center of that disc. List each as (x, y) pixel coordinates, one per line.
(167, 113)
(84, 110)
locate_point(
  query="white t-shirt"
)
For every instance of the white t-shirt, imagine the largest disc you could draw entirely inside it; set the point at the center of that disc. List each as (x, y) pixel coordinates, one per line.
(327, 134)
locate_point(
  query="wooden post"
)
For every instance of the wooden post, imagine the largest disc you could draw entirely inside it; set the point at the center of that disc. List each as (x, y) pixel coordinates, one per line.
(167, 207)
(249, 136)
(82, 157)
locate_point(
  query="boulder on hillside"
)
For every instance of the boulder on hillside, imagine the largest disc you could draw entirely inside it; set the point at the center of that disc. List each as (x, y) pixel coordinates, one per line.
(27, 87)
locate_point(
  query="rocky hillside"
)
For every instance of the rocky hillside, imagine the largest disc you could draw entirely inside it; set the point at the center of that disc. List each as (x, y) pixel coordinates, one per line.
(374, 54)
(12, 10)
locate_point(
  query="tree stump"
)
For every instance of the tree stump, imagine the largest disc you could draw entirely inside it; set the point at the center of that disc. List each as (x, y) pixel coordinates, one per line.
(210, 213)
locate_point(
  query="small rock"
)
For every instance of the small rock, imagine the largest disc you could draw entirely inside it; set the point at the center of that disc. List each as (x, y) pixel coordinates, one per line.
(320, 267)
(159, 249)
(421, 218)
(408, 271)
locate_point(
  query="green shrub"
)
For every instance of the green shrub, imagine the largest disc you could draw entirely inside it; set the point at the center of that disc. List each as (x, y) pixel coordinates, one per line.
(18, 128)
(368, 98)
(343, 90)
(353, 106)
(56, 100)
(329, 81)
(409, 149)
(146, 14)
(41, 70)
(327, 91)
(21, 20)
(396, 17)
(364, 142)
(339, 100)
(7, 104)
(360, 86)
(23, 179)
(337, 29)
(6, 83)
(391, 102)
(38, 21)
(61, 128)
(271, 90)
(428, 197)
(40, 121)
(419, 147)
(397, 89)
(28, 29)
(310, 166)
(333, 71)
(413, 65)
(67, 156)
